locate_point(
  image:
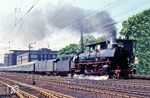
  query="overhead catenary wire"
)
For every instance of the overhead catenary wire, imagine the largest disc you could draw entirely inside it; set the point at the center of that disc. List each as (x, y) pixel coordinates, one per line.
(10, 18)
(21, 19)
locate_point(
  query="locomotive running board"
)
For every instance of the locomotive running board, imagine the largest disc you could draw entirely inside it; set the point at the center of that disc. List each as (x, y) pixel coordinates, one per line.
(94, 63)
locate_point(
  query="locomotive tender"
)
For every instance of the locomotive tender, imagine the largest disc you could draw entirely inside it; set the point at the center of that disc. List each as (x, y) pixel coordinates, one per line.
(103, 58)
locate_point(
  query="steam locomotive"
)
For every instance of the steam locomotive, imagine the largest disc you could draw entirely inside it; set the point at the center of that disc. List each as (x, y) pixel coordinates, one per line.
(106, 58)
(103, 58)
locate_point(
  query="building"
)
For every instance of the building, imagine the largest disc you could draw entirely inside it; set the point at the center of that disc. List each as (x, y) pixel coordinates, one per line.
(36, 55)
(15, 57)
(11, 57)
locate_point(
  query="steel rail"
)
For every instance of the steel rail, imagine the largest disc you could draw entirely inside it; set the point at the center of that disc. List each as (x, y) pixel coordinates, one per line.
(108, 91)
(42, 91)
(17, 93)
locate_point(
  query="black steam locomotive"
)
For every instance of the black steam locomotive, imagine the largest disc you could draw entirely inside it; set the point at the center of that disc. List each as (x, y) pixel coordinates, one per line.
(106, 58)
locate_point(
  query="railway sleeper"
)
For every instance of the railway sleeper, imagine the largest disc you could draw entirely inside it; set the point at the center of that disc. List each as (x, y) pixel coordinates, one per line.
(27, 95)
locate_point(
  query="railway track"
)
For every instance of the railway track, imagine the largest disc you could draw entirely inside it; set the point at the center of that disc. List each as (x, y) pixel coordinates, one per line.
(105, 88)
(15, 91)
(4, 91)
(147, 77)
(29, 91)
(89, 88)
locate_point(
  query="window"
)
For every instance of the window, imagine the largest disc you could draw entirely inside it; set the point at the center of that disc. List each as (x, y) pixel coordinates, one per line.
(45, 56)
(49, 56)
(53, 56)
(34, 56)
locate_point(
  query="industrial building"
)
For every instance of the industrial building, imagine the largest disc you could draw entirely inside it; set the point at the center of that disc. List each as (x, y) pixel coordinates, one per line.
(15, 57)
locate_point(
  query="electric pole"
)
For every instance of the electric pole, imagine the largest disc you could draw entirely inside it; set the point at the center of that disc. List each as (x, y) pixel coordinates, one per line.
(30, 50)
(81, 38)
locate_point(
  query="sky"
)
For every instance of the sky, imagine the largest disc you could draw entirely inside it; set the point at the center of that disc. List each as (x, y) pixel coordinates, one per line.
(50, 23)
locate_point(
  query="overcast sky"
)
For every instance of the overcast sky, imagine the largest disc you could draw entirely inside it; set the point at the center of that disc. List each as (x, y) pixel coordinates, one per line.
(20, 26)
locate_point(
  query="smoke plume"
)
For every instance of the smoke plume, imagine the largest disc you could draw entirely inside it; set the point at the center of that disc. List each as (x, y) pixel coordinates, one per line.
(77, 19)
(67, 17)
(74, 19)
(34, 28)
(103, 23)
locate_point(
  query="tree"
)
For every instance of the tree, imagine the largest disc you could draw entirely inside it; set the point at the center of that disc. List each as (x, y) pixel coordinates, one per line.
(137, 27)
(70, 49)
(88, 39)
(100, 39)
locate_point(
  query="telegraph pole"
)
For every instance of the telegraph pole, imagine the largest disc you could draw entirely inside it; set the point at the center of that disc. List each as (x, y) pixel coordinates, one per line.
(33, 72)
(33, 75)
(9, 54)
(30, 49)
